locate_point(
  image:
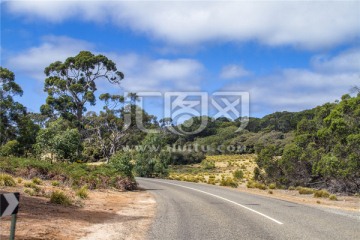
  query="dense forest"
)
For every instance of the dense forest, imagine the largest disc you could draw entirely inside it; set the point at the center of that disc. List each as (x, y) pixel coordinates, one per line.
(319, 147)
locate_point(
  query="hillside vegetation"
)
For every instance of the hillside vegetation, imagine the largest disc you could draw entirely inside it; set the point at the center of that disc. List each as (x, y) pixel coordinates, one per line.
(317, 148)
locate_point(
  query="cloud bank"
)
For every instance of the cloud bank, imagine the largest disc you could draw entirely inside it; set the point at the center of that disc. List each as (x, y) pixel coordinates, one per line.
(303, 24)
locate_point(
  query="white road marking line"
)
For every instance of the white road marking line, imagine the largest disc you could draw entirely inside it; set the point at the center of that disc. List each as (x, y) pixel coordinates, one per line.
(225, 199)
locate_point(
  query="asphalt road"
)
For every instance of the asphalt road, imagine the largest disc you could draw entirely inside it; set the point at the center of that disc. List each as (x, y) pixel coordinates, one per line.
(199, 211)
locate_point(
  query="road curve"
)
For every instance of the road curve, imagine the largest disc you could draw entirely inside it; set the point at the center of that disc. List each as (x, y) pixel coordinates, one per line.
(200, 211)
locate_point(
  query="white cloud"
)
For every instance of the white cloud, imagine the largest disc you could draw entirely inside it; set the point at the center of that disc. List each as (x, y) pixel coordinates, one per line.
(299, 23)
(233, 71)
(141, 73)
(144, 74)
(33, 61)
(345, 62)
(299, 89)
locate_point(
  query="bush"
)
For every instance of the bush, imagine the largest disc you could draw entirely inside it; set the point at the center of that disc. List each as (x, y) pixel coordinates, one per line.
(75, 174)
(303, 190)
(186, 157)
(82, 192)
(333, 197)
(59, 197)
(250, 184)
(321, 194)
(291, 188)
(29, 191)
(260, 186)
(238, 174)
(272, 186)
(228, 182)
(36, 181)
(11, 148)
(33, 186)
(122, 163)
(55, 183)
(207, 164)
(7, 180)
(270, 192)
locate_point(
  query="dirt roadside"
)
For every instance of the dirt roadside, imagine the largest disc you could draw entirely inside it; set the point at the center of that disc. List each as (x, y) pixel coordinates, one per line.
(105, 214)
(349, 203)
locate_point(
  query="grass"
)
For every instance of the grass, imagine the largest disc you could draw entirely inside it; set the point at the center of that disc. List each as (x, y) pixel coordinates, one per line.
(7, 180)
(216, 169)
(321, 194)
(304, 190)
(36, 181)
(82, 192)
(333, 197)
(272, 186)
(228, 182)
(73, 174)
(55, 183)
(258, 185)
(32, 186)
(59, 197)
(238, 174)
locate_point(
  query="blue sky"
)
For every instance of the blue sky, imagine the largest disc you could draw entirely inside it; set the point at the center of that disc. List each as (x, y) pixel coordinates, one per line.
(289, 56)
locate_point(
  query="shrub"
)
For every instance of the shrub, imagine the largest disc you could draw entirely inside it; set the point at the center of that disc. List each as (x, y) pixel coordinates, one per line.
(19, 180)
(228, 182)
(260, 186)
(29, 191)
(55, 183)
(33, 186)
(304, 190)
(82, 192)
(59, 197)
(291, 188)
(250, 184)
(270, 192)
(207, 164)
(321, 194)
(36, 181)
(272, 186)
(122, 163)
(333, 197)
(7, 180)
(238, 174)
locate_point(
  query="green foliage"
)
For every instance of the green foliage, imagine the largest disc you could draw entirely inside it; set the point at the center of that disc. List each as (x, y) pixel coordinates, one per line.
(122, 163)
(11, 148)
(272, 186)
(153, 160)
(71, 85)
(36, 181)
(208, 164)
(55, 183)
(82, 192)
(303, 190)
(59, 197)
(238, 174)
(321, 194)
(326, 149)
(333, 197)
(7, 180)
(186, 157)
(75, 174)
(228, 182)
(60, 140)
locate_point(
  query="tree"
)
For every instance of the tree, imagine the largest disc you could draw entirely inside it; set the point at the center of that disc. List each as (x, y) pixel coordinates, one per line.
(61, 140)
(152, 160)
(10, 111)
(70, 85)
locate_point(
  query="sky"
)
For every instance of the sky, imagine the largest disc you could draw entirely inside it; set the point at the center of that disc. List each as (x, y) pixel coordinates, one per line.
(288, 55)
